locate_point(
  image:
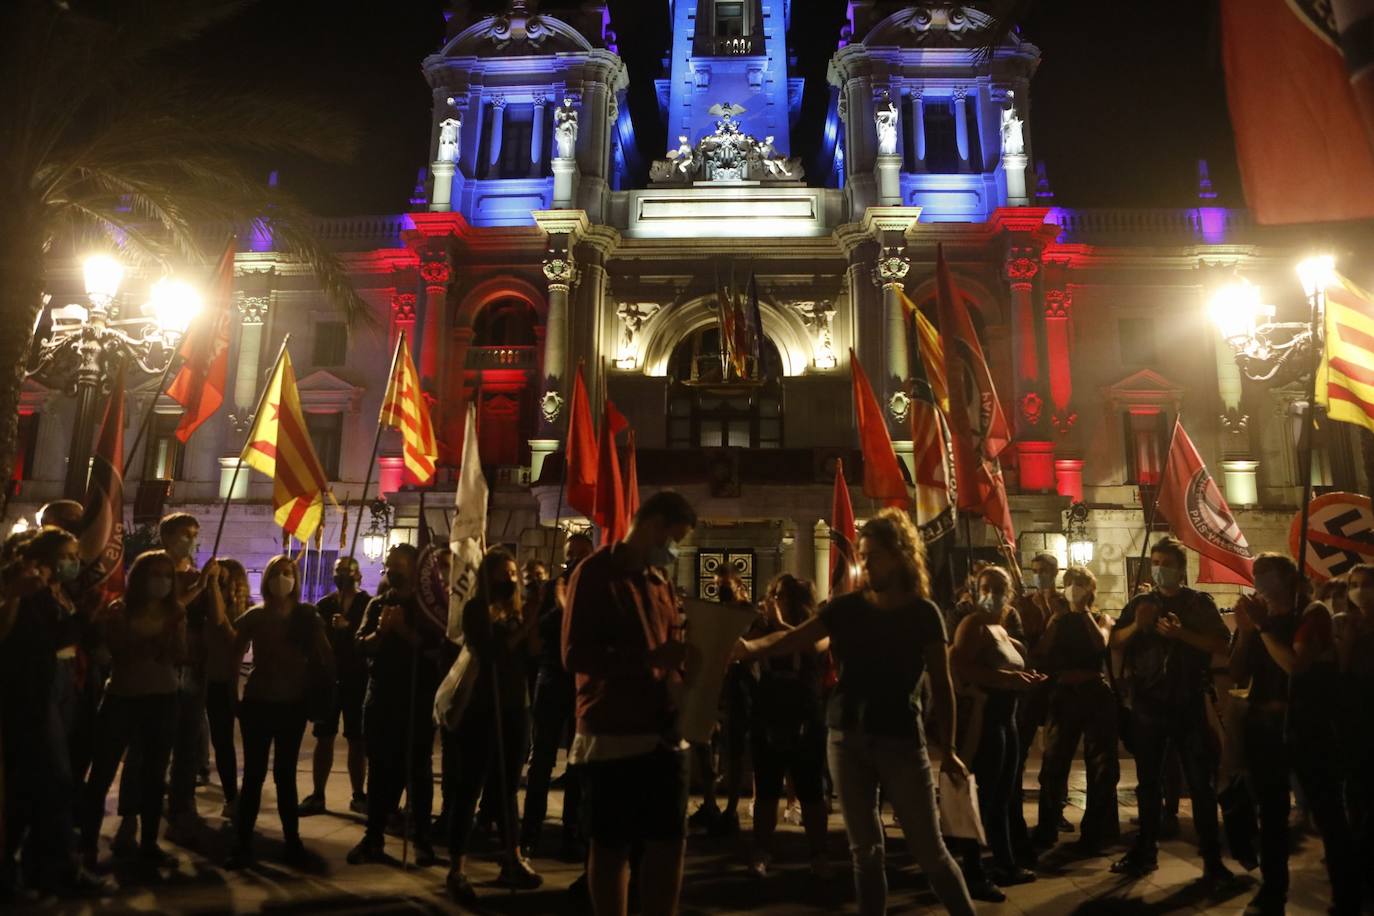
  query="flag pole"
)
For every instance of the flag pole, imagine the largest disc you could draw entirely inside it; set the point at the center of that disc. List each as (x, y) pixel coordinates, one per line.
(238, 465)
(1153, 514)
(376, 444)
(562, 488)
(148, 414)
(1305, 446)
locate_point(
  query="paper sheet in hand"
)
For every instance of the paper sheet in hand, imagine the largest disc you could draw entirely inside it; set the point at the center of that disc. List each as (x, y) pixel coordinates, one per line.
(712, 631)
(959, 809)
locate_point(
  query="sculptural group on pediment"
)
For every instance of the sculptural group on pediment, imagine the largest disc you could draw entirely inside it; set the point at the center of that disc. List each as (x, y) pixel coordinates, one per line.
(726, 154)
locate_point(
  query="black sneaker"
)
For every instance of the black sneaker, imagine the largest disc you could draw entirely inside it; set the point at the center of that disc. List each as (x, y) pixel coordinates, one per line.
(518, 875)
(311, 804)
(1267, 903)
(1217, 874)
(154, 856)
(1010, 877)
(358, 804)
(726, 825)
(1168, 826)
(460, 889)
(703, 819)
(424, 856)
(986, 891)
(294, 852)
(368, 851)
(1064, 825)
(1135, 865)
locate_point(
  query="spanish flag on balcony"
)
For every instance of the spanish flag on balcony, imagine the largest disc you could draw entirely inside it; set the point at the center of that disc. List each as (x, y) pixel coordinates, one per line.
(279, 446)
(404, 408)
(1345, 378)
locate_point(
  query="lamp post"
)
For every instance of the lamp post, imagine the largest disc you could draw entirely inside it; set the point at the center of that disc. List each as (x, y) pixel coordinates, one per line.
(375, 538)
(1080, 542)
(86, 346)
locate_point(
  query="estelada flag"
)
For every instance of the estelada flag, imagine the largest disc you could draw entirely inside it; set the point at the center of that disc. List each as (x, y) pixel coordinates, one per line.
(404, 408)
(580, 451)
(204, 374)
(1345, 377)
(978, 427)
(631, 480)
(929, 350)
(279, 446)
(610, 493)
(1199, 517)
(843, 554)
(1302, 111)
(101, 541)
(883, 478)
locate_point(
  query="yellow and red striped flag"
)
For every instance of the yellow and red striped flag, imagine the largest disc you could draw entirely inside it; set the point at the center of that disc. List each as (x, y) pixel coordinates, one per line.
(931, 352)
(280, 447)
(1345, 378)
(404, 408)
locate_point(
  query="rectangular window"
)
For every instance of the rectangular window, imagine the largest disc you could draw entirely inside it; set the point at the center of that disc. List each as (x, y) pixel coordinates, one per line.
(331, 344)
(729, 18)
(1147, 447)
(27, 446)
(1137, 337)
(942, 144)
(326, 435)
(516, 134)
(162, 459)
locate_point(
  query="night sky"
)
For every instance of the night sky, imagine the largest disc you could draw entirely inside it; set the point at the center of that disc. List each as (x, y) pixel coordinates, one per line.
(1122, 107)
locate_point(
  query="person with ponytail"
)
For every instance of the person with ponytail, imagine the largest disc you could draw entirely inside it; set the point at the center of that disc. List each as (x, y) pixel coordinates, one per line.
(883, 639)
(288, 641)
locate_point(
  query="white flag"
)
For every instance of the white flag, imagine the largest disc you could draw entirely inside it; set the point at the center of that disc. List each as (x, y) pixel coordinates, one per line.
(467, 537)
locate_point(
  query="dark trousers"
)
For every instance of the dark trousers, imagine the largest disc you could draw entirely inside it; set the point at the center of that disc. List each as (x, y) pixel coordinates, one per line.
(188, 746)
(1031, 710)
(219, 710)
(551, 715)
(994, 768)
(474, 750)
(1086, 711)
(277, 727)
(1156, 728)
(39, 796)
(1359, 799)
(143, 725)
(1271, 761)
(384, 729)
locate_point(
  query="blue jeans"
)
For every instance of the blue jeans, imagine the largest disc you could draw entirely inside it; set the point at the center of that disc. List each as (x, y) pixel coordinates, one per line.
(859, 764)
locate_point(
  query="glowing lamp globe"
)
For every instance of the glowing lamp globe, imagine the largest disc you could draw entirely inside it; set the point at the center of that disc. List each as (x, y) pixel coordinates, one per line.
(1316, 273)
(374, 544)
(1080, 552)
(173, 304)
(1235, 310)
(103, 275)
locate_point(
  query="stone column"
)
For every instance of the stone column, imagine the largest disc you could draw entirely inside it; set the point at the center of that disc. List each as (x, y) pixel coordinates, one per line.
(252, 315)
(498, 125)
(1058, 302)
(961, 126)
(1068, 478)
(1014, 167)
(1034, 448)
(821, 576)
(561, 273)
(892, 269)
(537, 137)
(1242, 482)
(435, 270)
(918, 128)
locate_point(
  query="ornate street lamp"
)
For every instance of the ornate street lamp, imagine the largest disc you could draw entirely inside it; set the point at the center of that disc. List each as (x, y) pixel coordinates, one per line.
(87, 346)
(1080, 542)
(375, 538)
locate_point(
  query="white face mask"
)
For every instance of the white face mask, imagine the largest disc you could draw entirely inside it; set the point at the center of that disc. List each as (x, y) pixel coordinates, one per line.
(281, 586)
(991, 602)
(1076, 594)
(159, 587)
(1166, 576)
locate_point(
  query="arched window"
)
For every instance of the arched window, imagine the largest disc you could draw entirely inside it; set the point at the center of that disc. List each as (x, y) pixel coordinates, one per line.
(709, 409)
(505, 323)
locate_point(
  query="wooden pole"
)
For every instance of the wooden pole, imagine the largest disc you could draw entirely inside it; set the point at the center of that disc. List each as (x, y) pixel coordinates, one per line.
(376, 444)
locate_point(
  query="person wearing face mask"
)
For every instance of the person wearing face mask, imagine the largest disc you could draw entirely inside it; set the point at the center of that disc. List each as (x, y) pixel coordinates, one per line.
(222, 679)
(1288, 659)
(984, 656)
(288, 640)
(884, 639)
(552, 713)
(501, 636)
(342, 611)
(1081, 705)
(1355, 649)
(1168, 638)
(403, 645)
(620, 643)
(146, 634)
(39, 788)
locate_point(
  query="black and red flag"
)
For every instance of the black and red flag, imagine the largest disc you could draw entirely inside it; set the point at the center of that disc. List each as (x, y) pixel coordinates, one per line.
(844, 566)
(101, 541)
(200, 383)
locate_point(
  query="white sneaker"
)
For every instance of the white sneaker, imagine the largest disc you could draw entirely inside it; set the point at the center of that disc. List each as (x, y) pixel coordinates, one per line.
(792, 815)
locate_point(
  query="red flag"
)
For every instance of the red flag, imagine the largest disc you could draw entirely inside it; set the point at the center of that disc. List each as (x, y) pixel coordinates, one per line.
(101, 541)
(610, 494)
(580, 451)
(631, 480)
(200, 382)
(883, 479)
(978, 427)
(1303, 114)
(843, 557)
(1198, 515)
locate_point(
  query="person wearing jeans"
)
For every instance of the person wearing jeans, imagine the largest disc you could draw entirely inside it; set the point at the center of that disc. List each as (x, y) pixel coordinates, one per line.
(883, 640)
(222, 680)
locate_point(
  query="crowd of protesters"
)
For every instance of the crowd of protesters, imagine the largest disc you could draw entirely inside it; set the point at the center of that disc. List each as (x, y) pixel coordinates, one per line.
(876, 697)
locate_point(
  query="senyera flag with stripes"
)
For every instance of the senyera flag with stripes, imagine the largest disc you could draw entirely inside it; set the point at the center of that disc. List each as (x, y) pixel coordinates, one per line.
(404, 408)
(1345, 378)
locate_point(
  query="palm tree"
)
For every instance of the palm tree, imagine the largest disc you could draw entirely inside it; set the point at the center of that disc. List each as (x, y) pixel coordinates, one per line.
(100, 140)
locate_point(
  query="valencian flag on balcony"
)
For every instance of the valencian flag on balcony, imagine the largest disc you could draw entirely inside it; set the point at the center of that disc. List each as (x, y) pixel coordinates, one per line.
(934, 470)
(883, 477)
(1199, 517)
(467, 535)
(609, 514)
(579, 452)
(1345, 377)
(404, 408)
(844, 566)
(280, 447)
(200, 382)
(101, 539)
(1300, 83)
(979, 431)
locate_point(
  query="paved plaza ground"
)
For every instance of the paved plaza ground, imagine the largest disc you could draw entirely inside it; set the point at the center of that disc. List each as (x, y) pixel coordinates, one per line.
(716, 881)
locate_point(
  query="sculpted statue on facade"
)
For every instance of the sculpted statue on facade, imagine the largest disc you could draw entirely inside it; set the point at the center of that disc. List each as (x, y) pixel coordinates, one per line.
(885, 118)
(727, 154)
(1013, 132)
(449, 130)
(565, 130)
(632, 316)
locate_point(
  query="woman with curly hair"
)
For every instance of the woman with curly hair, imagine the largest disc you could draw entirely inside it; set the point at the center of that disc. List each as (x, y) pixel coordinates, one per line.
(883, 639)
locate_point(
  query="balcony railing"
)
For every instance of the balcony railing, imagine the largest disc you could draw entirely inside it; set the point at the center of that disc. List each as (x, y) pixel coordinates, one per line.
(730, 45)
(1204, 224)
(502, 358)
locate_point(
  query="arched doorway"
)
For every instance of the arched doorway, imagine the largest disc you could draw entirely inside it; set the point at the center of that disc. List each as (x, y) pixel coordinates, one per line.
(709, 408)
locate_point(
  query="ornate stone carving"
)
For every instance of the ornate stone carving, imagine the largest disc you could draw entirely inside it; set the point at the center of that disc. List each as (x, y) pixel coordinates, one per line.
(727, 154)
(253, 309)
(1032, 406)
(449, 131)
(518, 26)
(551, 406)
(1065, 423)
(1058, 302)
(434, 268)
(1013, 130)
(240, 422)
(819, 318)
(559, 269)
(885, 119)
(498, 103)
(632, 316)
(403, 308)
(1022, 266)
(1234, 422)
(899, 405)
(892, 268)
(565, 130)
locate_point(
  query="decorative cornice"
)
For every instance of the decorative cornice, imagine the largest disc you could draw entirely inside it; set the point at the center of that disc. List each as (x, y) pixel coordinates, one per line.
(560, 270)
(435, 268)
(1022, 266)
(403, 308)
(253, 309)
(892, 269)
(1058, 304)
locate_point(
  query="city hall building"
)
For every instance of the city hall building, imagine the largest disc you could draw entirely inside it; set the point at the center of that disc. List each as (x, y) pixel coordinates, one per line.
(539, 245)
